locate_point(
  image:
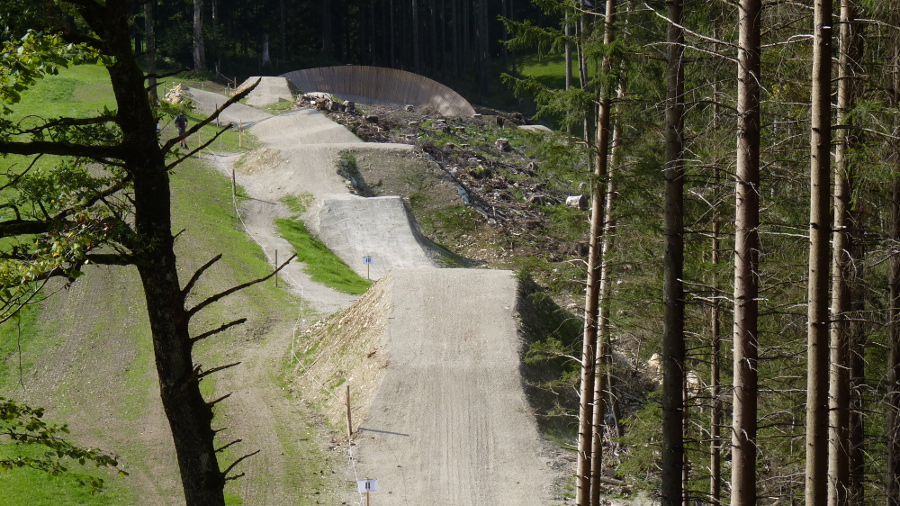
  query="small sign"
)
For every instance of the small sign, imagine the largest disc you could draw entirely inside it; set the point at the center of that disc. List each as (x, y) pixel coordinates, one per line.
(368, 260)
(367, 486)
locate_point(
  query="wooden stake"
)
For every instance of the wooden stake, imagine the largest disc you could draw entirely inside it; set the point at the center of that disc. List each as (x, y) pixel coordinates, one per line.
(350, 421)
(233, 183)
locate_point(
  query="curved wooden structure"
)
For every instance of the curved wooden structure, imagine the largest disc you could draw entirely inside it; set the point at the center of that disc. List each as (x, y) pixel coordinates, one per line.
(381, 86)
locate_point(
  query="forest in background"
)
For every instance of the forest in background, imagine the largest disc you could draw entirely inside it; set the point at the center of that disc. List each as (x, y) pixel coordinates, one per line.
(676, 102)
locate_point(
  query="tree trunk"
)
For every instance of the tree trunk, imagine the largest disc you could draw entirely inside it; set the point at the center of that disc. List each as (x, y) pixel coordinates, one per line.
(188, 413)
(150, 56)
(417, 62)
(199, 51)
(602, 268)
(819, 235)
(842, 273)
(673, 267)
(892, 487)
(587, 431)
(567, 30)
(746, 259)
(327, 36)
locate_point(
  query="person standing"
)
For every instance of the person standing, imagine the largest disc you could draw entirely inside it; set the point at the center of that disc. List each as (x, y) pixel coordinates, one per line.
(181, 123)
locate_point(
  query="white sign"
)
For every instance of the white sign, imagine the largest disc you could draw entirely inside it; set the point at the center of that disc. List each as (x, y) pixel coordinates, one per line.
(366, 486)
(368, 260)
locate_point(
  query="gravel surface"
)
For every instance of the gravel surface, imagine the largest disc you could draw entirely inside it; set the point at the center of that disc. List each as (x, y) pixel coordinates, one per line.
(449, 423)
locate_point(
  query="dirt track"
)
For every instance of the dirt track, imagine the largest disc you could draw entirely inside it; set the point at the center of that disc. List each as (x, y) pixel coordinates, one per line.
(449, 423)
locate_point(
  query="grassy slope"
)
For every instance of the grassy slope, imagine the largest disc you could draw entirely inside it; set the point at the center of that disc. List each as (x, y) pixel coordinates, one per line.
(88, 356)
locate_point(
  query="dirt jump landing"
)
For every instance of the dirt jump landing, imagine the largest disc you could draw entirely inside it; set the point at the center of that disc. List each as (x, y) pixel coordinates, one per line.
(377, 227)
(450, 423)
(269, 90)
(381, 86)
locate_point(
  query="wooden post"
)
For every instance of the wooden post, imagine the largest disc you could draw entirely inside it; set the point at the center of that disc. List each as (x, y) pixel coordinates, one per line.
(233, 183)
(350, 425)
(217, 118)
(276, 266)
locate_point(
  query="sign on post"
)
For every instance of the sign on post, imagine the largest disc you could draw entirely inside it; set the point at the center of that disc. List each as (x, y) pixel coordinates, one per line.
(367, 486)
(368, 262)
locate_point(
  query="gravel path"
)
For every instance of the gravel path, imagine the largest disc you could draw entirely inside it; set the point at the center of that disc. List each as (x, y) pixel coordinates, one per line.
(449, 423)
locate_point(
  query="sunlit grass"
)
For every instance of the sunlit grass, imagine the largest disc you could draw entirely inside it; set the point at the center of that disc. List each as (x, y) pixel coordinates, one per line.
(321, 264)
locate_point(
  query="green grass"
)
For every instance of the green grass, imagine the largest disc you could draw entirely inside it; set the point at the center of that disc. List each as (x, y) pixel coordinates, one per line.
(17, 334)
(549, 70)
(202, 206)
(321, 264)
(37, 488)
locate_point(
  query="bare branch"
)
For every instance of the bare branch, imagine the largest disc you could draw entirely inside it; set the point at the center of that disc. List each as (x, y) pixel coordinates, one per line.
(222, 328)
(236, 462)
(199, 272)
(216, 369)
(171, 143)
(216, 401)
(234, 289)
(198, 148)
(222, 448)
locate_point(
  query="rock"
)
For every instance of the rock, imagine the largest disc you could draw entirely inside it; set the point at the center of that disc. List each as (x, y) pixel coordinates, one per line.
(371, 118)
(502, 145)
(577, 201)
(349, 106)
(409, 108)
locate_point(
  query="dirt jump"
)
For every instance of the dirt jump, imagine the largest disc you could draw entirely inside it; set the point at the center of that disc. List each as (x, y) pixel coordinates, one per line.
(449, 422)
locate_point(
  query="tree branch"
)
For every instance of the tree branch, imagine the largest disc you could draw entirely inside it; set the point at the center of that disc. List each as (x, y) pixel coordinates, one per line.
(199, 272)
(171, 143)
(199, 148)
(216, 401)
(216, 369)
(236, 462)
(222, 328)
(220, 295)
(99, 153)
(222, 448)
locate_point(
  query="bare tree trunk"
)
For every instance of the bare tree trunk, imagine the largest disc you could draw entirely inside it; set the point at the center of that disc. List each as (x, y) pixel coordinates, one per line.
(150, 56)
(327, 42)
(892, 488)
(199, 51)
(604, 174)
(746, 259)
(589, 403)
(567, 29)
(673, 265)
(417, 61)
(842, 273)
(715, 412)
(819, 235)
(715, 368)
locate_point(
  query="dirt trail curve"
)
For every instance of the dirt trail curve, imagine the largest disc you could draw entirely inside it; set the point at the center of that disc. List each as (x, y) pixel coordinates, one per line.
(449, 423)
